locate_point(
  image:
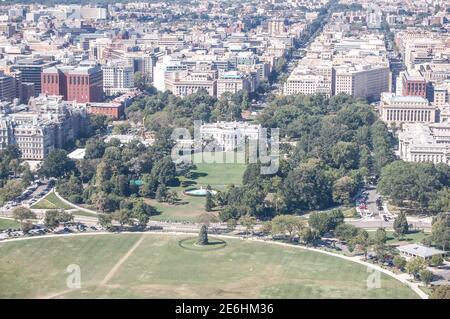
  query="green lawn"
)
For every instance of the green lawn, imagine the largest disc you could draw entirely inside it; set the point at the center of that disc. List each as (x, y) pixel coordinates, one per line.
(411, 238)
(218, 175)
(159, 268)
(8, 223)
(51, 201)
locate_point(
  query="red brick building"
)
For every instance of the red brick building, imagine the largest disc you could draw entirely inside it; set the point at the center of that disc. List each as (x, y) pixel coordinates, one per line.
(414, 85)
(114, 110)
(82, 84)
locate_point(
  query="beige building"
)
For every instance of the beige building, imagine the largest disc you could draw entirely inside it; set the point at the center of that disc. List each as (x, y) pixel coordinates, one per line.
(233, 82)
(362, 81)
(185, 83)
(419, 142)
(406, 109)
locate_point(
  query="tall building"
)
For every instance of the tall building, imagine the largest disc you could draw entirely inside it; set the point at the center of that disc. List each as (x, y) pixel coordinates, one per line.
(362, 81)
(163, 69)
(31, 70)
(413, 85)
(82, 84)
(7, 87)
(118, 77)
(275, 26)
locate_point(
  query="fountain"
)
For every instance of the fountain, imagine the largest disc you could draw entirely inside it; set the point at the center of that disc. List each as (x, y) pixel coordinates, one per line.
(199, 192)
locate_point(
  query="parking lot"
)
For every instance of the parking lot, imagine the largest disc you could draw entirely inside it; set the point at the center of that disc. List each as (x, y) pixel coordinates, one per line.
(30, 195)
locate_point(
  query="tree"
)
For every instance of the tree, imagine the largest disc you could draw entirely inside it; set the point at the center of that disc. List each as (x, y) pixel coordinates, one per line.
(325, 222)
(436, 260)
(266, 228)
(345, 232)
(441, 292)
(123, 216)
(22, 215)
(426, 276)
(248, 222)
(307, 187)
(401, 225)
(399, 262)
(209, 203)
(343, 190)
(56, 164)
(231, 224)
(51, 219)
(415, 266)
(203, 236)
(361, 241)
(161, 193)
(440, 231)
(282, 224)
(380, 236)
(105, 220)
(308, 236)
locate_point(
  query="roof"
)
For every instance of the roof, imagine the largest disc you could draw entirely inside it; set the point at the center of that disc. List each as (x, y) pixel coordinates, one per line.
(409, 98)
(78, 153)
(421, 251)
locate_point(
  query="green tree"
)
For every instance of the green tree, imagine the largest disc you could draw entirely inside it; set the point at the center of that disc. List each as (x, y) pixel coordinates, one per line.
(51, 219)
(308, 236)
(248, 222)
(203, 236)
(401, 226)
(380, 236)
(57, 164)
(399, 262)
(441, 292)
(23, 215)
(209, 203)
(415, 265)
(161, 193)
(345, 232)
(436, 260)
(426, 276)
(440, 231)
(105, 220)
(282, 224)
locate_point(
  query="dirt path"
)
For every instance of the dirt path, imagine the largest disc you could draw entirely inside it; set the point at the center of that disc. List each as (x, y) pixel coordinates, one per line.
(116, 267)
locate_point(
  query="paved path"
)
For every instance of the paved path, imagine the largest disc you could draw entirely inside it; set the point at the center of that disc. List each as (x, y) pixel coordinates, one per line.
(74, 205)
(404, 278)
(116, 267)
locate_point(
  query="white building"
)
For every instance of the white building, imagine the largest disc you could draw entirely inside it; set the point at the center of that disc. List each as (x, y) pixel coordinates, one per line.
(232, 81)
(419, 142)
(229, 135)
(118, 77)
(406, 109)
(362, 81)
(163, 69)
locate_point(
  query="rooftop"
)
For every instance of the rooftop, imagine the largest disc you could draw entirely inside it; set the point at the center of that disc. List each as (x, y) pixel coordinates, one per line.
(421, 251)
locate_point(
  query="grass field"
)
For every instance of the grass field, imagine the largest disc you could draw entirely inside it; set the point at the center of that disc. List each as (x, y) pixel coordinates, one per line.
(156, 266)
(51, 201)
(8, 223)
(218, 175)
(410, 238)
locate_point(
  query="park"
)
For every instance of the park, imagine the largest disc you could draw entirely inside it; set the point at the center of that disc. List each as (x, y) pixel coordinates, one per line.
(157, 266)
